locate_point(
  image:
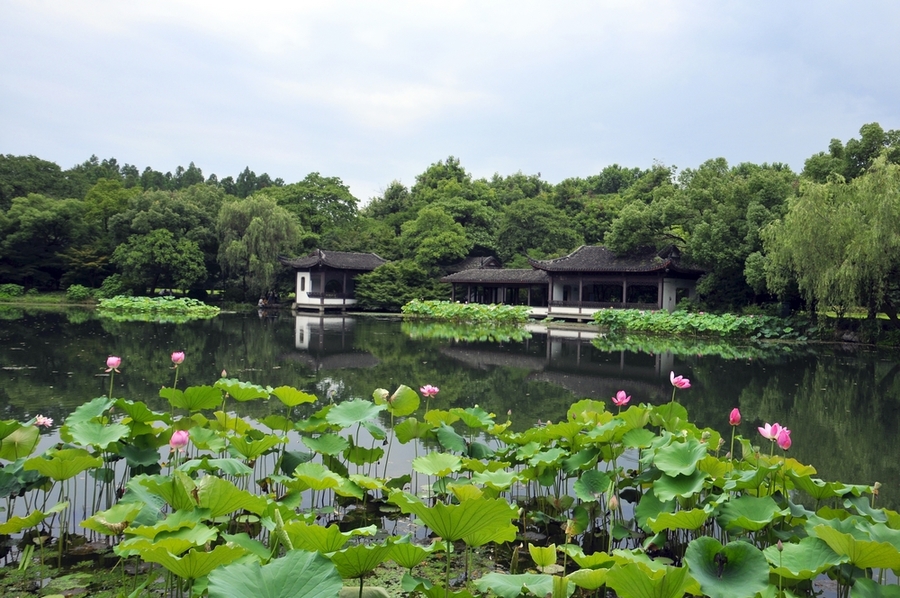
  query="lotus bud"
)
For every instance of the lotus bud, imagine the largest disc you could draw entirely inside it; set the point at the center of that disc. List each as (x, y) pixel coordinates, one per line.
(613, 503)
(780, 546)
(705, 436)
(224, 374)
(178, 357)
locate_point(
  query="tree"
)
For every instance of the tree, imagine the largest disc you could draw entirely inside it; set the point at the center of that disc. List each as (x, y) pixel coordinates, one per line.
(23, 175)
(434, 239)
(158, 259)
(319, 203)
(33, 233)
(839, 242)
(252, 234)
(534, 227)
(104, 200)
(394, 284)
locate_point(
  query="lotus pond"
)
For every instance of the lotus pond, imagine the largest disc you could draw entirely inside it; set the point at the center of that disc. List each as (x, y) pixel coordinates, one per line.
(314, 460)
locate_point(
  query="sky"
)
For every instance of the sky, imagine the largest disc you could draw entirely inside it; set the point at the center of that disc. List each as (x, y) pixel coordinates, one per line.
(373, 92)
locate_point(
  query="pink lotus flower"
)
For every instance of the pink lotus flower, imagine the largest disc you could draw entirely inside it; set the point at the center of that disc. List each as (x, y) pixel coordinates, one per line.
(40, 420)
(179, 439)
(112, 363)
(784, 439)
(621, 399)
(770, 431)
(679, 381)
(178, 357)
(429, 391)
(734, 418)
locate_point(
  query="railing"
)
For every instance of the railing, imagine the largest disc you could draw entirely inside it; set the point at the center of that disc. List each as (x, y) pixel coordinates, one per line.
(603, 305)
(318, 295)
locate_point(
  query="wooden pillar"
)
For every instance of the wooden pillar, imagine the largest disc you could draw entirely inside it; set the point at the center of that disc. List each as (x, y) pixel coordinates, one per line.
(580, 291)
(322, 290)
(659, 292)
(344, 290)
(624, 291)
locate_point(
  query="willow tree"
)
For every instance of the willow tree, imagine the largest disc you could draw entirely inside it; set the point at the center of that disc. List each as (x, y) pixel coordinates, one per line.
(253, 232)
(839, 241)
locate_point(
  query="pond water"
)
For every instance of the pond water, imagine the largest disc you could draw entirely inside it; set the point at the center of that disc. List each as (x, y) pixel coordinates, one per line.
(840, 402)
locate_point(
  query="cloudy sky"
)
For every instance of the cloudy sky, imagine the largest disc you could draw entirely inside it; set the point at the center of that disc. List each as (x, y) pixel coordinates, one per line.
(376, 91)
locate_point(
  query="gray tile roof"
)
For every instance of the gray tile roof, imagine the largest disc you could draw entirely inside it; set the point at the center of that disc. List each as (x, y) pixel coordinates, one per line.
(595, 258)
(475, 262)
(498, 275)
(339, 260)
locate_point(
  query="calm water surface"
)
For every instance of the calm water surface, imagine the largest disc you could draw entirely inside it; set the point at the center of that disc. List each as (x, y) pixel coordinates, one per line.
(841, 403)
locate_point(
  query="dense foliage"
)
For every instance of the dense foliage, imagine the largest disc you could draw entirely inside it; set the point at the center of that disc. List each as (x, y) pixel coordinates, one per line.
(680, 324)
(467, 312)
(225, 506)
(155, 308)
(743, 224)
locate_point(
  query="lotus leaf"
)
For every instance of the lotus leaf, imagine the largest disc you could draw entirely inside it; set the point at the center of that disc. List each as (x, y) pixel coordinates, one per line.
(592, 485)
(474, 417)
(403, 402)
(410, 429)
(804, 560)
(196, 563)
(292, 397)
(866, 588)
(322, 539)
(583, 459)
(193, 398)
(668, 487)
(243, 391)
(233, 467)
(408, 555)
(16, 524)
(498, 480)
(19, 442)
(750, 513)
(630, 580)
(542, 556)
(450, 440)
(512, 586)
(326, 444)
(253, 449)
(90, 410)
(737, 570)
(864, 554)
(222, 497)
(589, 579)
(96, 434)
(455, 522)
(437, 464)
(317, 476)
(360, 560)
(680, 458)
(692, 519)
(63, 464)
(352, 412)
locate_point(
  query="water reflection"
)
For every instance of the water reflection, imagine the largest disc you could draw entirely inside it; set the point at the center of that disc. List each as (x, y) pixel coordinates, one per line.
(841, 403)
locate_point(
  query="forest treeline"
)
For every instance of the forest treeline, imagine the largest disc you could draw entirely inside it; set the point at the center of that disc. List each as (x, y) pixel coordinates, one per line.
(828, 236)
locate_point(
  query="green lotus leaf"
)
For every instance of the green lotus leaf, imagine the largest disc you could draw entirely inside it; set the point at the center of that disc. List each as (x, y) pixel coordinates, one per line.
(499, 480)
(752, 478)
(403, 402)
(548, 457)
(374, 429)
(96, 434)
(193, 398)
(543, 556)
(597, 560)
(450, 440)
(176, 489)
(715, 467)
(243, 391)
(608, 431)
(360, 560)
(737, 570)
(583, 459)
(589, 579)
(317, 476)
(176, 541)
(863, 506)
(311, 537)
(692, 519)
(680, 458)
(277, 422)
(196, 563)
(16, 524)
(565, 430)
(222, 497)
(254, 547)
(635, 417)
(630, 580)
(360, 455)
(352, 412)
(436, 417)
(298, 574)
(252, 449)
(592, 485)
(455, 522)
(638, 438)
(806, 559)
(19, 442)
(292, 397)
(512, 586)
(326, 444)
(151, 503)
(291, 459)
(139, 457)
(408, 555)
(585, 410)
(750, 513)
(63, 464)
(139, 412)
(369, 483)
(479, 450)
(437, 464)
(867, 588)
(864, 554)
(474, 417)
(207, 439)
(233, 467)
(667, 487)
(816, 488)
(229, 422)
(88, 411)
(110, 521)
(173, 522)
(410, 429)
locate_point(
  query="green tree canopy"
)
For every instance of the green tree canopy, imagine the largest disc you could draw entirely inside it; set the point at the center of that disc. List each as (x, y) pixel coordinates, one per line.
(157, 259)
(839, 242)
(534, 227)
(252, 234)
